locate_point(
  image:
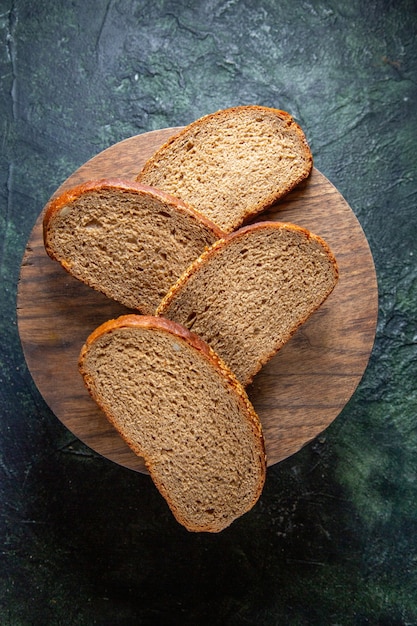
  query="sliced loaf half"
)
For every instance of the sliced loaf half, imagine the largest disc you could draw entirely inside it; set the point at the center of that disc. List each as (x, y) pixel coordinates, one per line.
(249, 292)
(178, 405)
(127, 240)
(233, 164)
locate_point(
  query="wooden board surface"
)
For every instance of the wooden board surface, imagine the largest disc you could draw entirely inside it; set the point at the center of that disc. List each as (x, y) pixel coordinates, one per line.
(297, 394)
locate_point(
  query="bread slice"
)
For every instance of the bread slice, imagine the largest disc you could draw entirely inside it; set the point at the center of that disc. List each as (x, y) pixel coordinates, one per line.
(177, 404)
(233, 164)
(248, 293)
(125, 239)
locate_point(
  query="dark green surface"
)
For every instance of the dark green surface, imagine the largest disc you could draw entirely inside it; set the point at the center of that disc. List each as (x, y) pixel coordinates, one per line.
(333, 539)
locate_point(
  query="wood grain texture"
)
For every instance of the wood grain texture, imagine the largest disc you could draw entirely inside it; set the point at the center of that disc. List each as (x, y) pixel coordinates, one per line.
(297, 394)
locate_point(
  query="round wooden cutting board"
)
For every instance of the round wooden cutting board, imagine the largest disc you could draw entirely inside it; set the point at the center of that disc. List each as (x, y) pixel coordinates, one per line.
(297, 394)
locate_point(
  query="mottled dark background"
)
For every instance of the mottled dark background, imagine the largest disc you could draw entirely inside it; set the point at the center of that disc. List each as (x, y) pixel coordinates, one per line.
(333, 539)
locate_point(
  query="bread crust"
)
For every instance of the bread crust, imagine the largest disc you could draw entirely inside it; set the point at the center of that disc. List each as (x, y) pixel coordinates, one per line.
(182, 333)
(267, 201)
(224, 242)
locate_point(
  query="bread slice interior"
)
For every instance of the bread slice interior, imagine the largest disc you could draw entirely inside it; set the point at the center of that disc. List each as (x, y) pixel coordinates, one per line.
(129, 241)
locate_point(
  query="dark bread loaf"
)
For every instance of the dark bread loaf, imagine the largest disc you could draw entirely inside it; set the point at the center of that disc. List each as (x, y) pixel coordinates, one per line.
(233, 164)
(127, 240)
(178, 405)
(248, 293)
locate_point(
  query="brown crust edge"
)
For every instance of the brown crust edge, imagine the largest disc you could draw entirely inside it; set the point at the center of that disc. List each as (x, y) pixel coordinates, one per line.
(179, 331)
(270, 200)
(220, 244)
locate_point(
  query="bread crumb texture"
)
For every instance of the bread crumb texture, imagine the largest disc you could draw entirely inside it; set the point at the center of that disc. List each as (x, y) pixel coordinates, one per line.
(232, 164)
(129, 243)
(248, 294)
(194, 426)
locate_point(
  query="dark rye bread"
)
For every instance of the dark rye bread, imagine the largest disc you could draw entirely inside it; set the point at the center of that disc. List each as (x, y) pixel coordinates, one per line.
(125, 239)
(248, 294)
(232, 164)
(178, 405)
